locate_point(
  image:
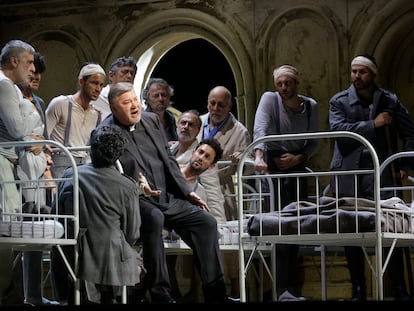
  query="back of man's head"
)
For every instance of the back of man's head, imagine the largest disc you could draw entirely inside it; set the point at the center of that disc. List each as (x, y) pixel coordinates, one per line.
(107, 144)
(39, 62)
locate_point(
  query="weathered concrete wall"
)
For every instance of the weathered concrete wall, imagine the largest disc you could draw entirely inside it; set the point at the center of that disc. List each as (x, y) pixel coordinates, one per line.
(319, 37)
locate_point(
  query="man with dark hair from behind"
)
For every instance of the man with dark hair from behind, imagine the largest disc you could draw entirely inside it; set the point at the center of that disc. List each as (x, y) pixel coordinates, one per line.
(109, 218)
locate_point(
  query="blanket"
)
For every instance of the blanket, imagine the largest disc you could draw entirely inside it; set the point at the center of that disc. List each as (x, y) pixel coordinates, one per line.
(47, 229)
(345, 215)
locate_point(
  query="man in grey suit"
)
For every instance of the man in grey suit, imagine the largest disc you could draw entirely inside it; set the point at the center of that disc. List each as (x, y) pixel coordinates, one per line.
(176, 206)
(109, 218)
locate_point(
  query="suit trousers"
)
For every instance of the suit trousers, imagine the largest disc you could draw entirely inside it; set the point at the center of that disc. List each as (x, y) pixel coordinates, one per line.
(195, 226)
(32, 276)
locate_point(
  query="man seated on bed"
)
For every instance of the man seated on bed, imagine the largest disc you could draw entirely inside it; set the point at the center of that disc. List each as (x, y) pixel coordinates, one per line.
(188, 127)
(109, 218)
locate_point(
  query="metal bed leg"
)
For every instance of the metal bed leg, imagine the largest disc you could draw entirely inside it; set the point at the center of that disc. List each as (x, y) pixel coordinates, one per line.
(261, 281)
(407, 256)
(273, 262)
(321, 249)
(124, 294)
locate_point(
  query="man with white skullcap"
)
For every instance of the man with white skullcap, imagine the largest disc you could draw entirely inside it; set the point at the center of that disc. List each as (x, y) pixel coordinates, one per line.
(70, 120)
(281, 112)
(379, 116)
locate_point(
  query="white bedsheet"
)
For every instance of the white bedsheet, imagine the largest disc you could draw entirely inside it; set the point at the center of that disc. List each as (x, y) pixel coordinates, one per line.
(46, 229)
(229, 232)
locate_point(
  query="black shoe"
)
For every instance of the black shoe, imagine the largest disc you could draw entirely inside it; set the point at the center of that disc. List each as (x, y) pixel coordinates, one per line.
(216, 293)
(136, 296)
(358, 293)
(162, 299)
(176, 294)
(400, 294)
(229, 299)
(225, 300)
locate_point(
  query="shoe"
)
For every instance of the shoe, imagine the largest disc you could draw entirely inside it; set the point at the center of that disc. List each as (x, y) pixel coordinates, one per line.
(223, 300)
(44, 301)
(287, 296)
(176, 294)
(162, 299)
(136, 296)
(358, 293)
(400, 294)
(229, 299)
(63, 302)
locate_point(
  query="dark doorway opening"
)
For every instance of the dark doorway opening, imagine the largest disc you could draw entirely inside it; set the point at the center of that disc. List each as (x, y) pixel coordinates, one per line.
(193, 68)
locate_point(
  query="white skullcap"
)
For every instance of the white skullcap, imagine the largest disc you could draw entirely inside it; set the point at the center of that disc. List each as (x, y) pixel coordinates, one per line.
(285, 70)
(364, 61)
(91, 69)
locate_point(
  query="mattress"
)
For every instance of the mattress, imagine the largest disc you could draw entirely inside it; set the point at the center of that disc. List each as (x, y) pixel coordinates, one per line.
(229, 232)
(45, 229)
(344, 215)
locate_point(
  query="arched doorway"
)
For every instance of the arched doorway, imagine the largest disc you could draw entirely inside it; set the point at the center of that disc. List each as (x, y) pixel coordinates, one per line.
(193, 67)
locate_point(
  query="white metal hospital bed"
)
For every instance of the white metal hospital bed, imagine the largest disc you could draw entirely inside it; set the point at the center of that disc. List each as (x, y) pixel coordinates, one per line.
(326, 221)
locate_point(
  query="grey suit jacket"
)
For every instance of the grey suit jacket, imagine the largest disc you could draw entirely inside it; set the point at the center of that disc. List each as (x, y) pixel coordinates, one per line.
(109, 225)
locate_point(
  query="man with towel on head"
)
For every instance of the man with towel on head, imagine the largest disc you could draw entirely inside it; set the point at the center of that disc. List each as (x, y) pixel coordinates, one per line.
(285, 112)
(70, 120)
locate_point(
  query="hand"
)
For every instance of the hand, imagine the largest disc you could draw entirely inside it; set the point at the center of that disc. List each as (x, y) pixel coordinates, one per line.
(194, 198)
(49, 162)
(260, 165)
(235, 157)
(403, 175)
(287, 160)
(144, 187)
(37, 149)
(384, 118)
(171, 142)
